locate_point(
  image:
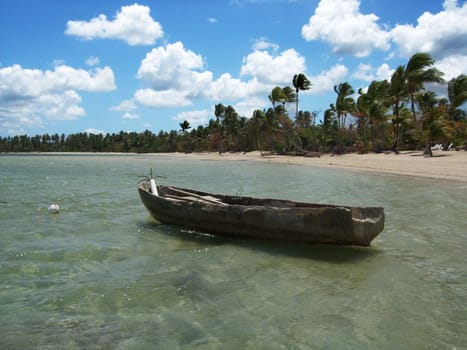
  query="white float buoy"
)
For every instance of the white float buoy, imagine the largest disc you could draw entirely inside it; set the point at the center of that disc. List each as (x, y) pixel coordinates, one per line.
(53, 209)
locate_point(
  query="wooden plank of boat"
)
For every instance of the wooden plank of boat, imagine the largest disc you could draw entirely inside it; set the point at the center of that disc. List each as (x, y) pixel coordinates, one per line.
(189, 194)
(235, 216)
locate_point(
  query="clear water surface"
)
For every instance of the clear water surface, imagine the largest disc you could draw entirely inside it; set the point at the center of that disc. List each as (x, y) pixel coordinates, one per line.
(103, 275)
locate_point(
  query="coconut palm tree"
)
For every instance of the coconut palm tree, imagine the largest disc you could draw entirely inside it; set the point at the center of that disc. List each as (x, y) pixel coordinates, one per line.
(185, 126)
(372, 105)
(434, 123)
(257, 121)
(344, 103)
(288, 96)
(300, 82)
(219, 112)
(276, 96)
(397, 97)
(457, 95)
(417, 73)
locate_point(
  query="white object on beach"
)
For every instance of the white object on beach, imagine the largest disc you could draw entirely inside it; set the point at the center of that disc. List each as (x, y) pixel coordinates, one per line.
(53, 209)
(153, 187)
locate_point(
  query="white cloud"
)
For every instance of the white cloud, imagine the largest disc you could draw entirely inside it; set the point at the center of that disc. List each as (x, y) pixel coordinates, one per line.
(440, 34)
(364, 72)
(263, 44)
(33, 82)
(174, 67)
(92, 61)
(212, 20)
(125, 106)
(443, 35)
(340, 23)
(130, 116)
(132, 24)
(326, 80)
(228, 88)
(452, 66)
(384, 72)
(270, 69)
(29, 95)
(176, 77)
(367, 73)
(195, 118)
(94, 131)
(64, 106)
(247, 106)
(159, 99)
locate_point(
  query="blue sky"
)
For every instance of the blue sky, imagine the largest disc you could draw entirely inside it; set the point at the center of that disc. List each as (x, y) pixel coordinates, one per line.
(104, 66)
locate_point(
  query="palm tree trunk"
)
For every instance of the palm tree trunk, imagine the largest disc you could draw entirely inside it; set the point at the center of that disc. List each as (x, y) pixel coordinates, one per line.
(428, 152)
(296, 107)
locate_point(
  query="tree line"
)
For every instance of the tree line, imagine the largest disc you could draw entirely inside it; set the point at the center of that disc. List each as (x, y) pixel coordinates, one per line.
(394, 114)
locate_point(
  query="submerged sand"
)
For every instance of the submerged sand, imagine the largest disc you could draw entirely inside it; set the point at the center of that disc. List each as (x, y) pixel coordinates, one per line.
(446, 165)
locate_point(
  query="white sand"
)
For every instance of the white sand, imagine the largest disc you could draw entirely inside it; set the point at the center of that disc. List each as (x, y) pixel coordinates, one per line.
(447, 165)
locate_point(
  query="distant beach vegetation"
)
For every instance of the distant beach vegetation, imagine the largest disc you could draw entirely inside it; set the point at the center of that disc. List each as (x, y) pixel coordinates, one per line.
(390, 115)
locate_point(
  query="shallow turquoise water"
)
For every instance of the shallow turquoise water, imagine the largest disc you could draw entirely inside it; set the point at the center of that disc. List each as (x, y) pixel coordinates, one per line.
(103, 275)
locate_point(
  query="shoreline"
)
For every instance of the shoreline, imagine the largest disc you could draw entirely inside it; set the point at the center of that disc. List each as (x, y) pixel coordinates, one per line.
(444, 165)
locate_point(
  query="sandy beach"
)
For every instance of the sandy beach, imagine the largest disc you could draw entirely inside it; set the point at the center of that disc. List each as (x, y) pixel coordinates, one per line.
(446, 165)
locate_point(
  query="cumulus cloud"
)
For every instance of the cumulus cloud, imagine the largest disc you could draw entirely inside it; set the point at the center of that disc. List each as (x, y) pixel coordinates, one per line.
(175, 76)
(173, 66)
(27, 96)
(340, 23)
(20, 81)
(195, 118)
(452, 66)
(160, 99)
(132, 24)
(326, 80)
(440, 34)
(368, 73)
(227, 87)
(273, 69)
(248, 105)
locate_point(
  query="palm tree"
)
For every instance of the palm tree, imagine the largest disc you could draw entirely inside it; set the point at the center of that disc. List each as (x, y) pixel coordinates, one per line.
(457, 95)
(257, 120)
(330, 128)
(344, 103)
(185, 126)
(300, 82)
(276, 96)
(288, 95)
(434, 124)
(417, 74)
(219, 111)
(397, 97)
(372, 105)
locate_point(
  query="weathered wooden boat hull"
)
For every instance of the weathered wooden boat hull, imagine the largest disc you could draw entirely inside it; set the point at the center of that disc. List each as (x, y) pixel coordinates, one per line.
(264, 218)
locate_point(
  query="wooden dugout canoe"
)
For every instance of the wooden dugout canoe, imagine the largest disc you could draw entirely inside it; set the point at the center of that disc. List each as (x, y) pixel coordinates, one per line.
(241, 217)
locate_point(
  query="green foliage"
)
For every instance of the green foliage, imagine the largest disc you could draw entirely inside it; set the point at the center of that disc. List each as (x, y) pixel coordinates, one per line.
(393, 114)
